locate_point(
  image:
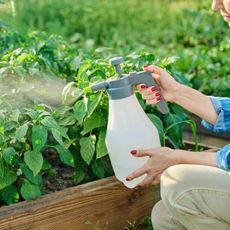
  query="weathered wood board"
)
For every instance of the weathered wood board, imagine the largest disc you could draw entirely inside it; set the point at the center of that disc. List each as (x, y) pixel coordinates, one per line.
(103, 201)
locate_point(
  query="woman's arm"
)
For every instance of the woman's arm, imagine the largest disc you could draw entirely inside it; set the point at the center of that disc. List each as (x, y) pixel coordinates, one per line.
(195, 102)
(172, 91)
(198, 158)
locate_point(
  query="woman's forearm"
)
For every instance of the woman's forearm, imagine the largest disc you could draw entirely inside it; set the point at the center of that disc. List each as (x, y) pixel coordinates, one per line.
(200, 158)
(195, 102)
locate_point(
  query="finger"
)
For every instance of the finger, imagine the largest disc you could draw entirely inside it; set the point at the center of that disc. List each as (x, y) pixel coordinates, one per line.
(144, 90)
(153, 101)
(141, 87)
(157, 79)
(153, 69)
(139, 172)
(146, 152)
(147, 181)
(141, 153)
(151, 96)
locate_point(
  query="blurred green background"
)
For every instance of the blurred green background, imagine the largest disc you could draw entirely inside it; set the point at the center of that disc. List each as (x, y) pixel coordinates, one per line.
(184, 28)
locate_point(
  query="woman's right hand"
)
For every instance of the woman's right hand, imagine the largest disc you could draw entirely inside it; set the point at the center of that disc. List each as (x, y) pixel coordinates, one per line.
(167, 84)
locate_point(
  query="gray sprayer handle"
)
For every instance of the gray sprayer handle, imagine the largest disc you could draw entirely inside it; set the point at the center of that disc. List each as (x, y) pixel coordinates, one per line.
(146, 78)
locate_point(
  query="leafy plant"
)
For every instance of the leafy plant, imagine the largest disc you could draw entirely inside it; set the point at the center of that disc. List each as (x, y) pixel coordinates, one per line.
(32, 131)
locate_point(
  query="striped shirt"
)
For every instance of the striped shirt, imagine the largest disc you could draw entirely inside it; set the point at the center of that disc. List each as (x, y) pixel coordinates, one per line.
(222, 107)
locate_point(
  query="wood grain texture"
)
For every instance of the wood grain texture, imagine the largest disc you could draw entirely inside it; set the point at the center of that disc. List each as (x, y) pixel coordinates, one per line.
(103, 201)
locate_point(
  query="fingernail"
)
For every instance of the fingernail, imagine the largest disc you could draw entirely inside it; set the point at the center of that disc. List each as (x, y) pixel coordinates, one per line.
(145, 66)
(143, 86)
(134, 152)
(157, 94)
(158, 99)
(153, 88)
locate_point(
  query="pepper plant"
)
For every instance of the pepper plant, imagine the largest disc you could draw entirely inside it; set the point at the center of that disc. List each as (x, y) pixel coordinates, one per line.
(75, 129)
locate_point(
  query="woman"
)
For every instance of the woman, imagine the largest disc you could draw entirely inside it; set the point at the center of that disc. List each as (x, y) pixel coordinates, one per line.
(195, 186)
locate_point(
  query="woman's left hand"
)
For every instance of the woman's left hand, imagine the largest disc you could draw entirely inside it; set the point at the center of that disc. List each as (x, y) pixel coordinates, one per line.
(159, 160)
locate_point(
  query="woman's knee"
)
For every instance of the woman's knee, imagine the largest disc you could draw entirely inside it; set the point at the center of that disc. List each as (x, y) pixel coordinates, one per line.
(175, 180)
(162, 219)
(158, 215)
(182, 178)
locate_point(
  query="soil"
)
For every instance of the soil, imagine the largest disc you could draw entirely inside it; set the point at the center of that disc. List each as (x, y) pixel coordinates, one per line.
(59, 177)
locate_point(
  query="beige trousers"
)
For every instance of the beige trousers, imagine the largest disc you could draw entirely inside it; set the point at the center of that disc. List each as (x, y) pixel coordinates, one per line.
(194, 197)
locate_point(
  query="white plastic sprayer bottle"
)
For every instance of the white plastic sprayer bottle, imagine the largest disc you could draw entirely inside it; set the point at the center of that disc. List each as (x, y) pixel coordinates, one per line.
(129, 128)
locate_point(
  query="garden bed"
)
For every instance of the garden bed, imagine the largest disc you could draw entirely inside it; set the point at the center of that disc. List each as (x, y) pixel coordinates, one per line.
(104, 203)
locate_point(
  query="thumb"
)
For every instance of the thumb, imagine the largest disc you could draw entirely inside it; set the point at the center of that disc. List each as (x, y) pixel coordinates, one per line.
(157, 79)
(153, 69)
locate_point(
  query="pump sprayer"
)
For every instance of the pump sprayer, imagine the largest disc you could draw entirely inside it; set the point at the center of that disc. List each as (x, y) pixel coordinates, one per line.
(128, 126)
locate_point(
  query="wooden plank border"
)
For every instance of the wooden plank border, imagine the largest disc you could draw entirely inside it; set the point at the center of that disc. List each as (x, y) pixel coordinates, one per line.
(103, 201)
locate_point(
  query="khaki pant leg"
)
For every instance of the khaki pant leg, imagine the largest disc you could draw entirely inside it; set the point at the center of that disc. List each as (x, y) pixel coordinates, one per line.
(163, 220)
(197, 196)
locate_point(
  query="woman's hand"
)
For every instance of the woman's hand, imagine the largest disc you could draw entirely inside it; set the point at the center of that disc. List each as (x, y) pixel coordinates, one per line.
(159, 160)
(163, 157)
(172, 91)
(168, 86)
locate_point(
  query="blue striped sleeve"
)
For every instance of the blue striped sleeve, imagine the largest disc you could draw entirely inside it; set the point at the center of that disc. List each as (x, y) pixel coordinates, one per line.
(223, 158)
(222, 108)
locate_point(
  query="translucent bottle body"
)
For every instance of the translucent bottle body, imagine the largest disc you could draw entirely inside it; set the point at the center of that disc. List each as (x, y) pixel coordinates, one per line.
(129, 128)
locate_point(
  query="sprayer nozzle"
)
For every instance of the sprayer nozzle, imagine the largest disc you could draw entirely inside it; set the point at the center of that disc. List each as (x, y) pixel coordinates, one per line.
(87, 90)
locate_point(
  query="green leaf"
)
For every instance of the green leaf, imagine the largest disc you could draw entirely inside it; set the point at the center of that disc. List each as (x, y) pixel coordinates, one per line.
(100, 146)
(33, 114)
(79, 173)
(95, 121)
(169, 60)
(30, 176)
(80, 110)
(68, 120)
(21, 132)
(174, 130)
(87, 149)
(10, 194)
(159, 125)
(180, 78)
(30, 191)
(179, 111)
(38, 137)
(2, 117)
(7, 175)
(10, 125)
(98, 168)
(46, 165)
(9, 154)
(194, 132)
(49, 122)
(57, 136)
(2, 130)
(93, 103)
(65, 155)
(34, 160)
(71, 93)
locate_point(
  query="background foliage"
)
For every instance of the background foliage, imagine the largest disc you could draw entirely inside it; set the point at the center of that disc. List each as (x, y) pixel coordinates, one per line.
(187, 29)
(36, 130)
